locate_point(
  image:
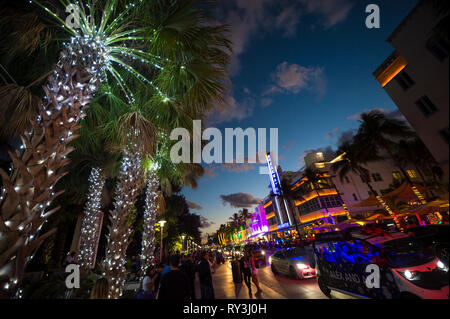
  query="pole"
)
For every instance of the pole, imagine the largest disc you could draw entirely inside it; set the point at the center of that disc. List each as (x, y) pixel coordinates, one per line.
(161, 252)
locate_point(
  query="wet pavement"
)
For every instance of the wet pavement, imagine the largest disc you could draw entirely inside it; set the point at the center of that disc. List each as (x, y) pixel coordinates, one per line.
(273, 286)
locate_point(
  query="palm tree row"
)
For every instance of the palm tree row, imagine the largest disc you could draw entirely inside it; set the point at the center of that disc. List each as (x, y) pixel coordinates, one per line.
(178, 58)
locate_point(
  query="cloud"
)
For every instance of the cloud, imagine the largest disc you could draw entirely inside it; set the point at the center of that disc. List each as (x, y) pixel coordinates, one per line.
(395, 114)
(332, 11)
(346, 136)
(240, 200)
(328, 153)
(205, 222)
(194, 205)
(294, 78)
(232, 110)
(333, 133)
(250, 18)
(288, 145)
(265, 102)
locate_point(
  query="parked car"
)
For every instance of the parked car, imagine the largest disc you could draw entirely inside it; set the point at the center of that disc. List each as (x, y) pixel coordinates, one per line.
(406, 268)
(435, 236)
(294, 262)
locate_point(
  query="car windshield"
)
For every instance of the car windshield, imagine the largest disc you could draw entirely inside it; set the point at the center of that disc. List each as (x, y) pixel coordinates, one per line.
(295, 252)
(406, 252)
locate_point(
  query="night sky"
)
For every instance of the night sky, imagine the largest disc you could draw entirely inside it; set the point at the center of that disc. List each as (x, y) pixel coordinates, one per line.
(304, 67)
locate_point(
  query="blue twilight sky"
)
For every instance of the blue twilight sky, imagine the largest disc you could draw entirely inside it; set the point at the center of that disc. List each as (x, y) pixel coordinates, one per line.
(304, 67)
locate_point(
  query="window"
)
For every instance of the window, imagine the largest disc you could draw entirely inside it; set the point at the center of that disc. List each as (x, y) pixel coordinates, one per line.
(363, 179)
(444, 134)
(347, 180)
(377, 177)
(397, 175)
(331, 201)
(439, 47)
(354, 197)
(404, 80)
(310, 206)
(412, 173)
(426, 106)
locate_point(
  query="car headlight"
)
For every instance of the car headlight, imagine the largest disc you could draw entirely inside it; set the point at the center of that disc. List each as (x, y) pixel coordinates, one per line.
(410, 275)
(441, 265)
(301, 266)
(270, 259)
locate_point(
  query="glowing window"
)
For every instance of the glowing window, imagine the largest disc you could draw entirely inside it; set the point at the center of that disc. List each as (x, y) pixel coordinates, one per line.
(412, 173)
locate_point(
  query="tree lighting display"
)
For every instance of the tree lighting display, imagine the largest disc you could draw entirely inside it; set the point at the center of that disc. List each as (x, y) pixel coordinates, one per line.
(90, 229)
(122, 218)
(148, 233)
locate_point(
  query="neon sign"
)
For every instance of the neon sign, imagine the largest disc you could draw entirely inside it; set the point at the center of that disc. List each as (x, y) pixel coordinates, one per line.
(274, 178)
(259, 221)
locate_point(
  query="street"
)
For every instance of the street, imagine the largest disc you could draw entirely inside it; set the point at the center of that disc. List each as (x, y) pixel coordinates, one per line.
(273, 286)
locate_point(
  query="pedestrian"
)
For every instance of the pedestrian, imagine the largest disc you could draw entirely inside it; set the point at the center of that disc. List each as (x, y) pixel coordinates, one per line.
(246, 270)
(158, 276)
(255, 273)
(174, 284)
(100, 289)
(205, 278)
(147, 289)
(188, 267)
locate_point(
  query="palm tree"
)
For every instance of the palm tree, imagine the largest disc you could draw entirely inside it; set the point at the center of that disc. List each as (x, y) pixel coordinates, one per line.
(375, 132)
(236, 219)
(353, 155)
(102, 45)
(290, 194)
(92, 151)
(317, 181)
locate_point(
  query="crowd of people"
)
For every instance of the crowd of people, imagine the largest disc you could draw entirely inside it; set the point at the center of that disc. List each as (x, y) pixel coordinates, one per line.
(174, 279)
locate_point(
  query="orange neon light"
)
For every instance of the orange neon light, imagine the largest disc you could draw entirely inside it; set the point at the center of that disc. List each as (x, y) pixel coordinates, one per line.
(392, 70)
(269, 216)
(319, 214)
(268, 204)
(274, 227)
(312, 195)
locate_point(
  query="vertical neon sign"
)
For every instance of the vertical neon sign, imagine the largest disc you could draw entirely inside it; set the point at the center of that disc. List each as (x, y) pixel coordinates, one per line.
(274, 178)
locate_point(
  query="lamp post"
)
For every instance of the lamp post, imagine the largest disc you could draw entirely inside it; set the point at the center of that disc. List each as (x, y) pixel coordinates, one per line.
(161, 223)
(182, 243)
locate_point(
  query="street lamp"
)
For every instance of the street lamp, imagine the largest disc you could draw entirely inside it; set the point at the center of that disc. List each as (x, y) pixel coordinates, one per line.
(161, 223)
(182, 243)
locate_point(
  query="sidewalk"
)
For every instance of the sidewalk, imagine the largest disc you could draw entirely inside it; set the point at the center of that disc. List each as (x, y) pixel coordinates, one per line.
(225, 288)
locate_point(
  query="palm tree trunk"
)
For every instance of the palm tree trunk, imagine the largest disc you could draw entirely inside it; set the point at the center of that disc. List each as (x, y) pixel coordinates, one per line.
(38, 167)
(121, 217)
(148, 234)
(408, 180)
(385, 205)
(90, 229)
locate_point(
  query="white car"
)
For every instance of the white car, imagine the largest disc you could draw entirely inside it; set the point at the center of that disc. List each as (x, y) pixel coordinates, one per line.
(293, 262)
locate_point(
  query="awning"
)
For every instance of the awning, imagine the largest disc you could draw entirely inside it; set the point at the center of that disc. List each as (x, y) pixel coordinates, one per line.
(403, 193)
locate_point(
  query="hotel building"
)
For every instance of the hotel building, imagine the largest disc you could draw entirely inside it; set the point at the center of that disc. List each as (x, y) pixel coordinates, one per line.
(416, 77)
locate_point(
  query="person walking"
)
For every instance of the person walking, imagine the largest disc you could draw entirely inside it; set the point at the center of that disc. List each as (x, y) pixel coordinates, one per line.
(255, 273)
(205, 278)
(246, 269)
(174, 284)
(188, 267)
(100, 289)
